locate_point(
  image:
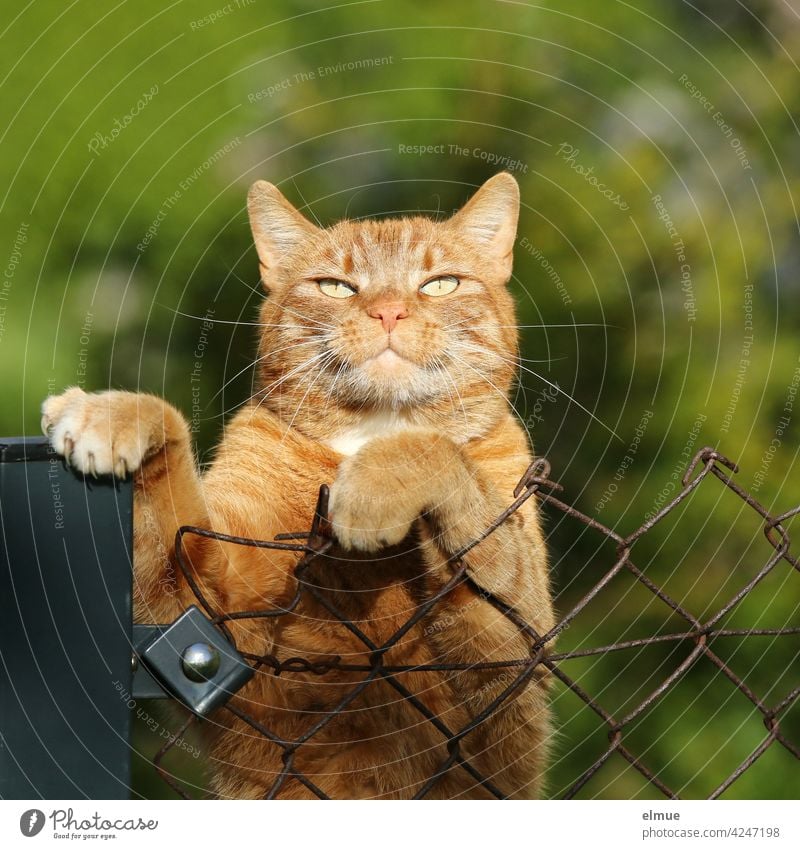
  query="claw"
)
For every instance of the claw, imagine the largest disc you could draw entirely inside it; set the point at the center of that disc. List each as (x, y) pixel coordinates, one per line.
(69, 447)
(90, 464)
(46, 425)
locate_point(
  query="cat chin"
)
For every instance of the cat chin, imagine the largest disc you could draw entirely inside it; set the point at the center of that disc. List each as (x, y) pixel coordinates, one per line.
(389, 362)
(389, 356)
(402, 384)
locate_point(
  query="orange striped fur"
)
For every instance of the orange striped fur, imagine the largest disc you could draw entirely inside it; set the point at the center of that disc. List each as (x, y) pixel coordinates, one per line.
(398, 398)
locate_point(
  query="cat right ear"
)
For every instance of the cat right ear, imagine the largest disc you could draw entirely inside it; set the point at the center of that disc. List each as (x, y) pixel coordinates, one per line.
(277, 226)
(489, 219)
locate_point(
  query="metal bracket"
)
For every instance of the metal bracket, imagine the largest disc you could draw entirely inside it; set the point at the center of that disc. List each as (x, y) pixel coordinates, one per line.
(189, 660)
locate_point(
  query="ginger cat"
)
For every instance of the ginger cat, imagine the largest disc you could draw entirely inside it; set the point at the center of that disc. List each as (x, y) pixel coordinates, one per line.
(387, 351)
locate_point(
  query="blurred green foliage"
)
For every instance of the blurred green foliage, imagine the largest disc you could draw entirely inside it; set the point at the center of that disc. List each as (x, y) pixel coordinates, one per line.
(656, 147)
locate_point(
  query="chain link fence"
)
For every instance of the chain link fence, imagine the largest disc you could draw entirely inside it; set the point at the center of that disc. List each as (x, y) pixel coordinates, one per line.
(542, 657)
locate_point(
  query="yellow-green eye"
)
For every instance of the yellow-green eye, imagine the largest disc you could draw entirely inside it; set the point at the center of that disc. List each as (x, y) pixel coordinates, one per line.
(336, 288)
(440, 286)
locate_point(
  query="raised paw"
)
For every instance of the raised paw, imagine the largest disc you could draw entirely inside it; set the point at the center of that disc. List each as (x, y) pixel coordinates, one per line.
(365, 516)
(106, 432)
(382, 489)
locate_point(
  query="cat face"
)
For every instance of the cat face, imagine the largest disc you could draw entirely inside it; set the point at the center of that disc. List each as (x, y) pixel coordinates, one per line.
(409, 315)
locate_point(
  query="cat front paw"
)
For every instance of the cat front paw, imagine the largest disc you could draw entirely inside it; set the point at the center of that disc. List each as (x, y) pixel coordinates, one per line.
(380, 491)
(365, 513)
(106, 433)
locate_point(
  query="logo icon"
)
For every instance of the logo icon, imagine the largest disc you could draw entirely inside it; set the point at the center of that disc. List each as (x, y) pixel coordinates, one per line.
(31, 822)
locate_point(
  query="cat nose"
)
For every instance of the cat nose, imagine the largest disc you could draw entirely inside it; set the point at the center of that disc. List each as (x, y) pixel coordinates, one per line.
(388, 313)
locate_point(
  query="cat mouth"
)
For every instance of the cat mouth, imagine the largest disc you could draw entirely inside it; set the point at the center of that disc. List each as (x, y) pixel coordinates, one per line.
(388, 357)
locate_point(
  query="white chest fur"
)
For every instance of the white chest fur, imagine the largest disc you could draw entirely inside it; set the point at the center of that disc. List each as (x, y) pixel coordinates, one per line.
(350, 440)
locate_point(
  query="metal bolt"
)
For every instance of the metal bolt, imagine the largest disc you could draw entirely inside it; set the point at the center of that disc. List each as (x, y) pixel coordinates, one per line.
(134, 663)
(200, 662)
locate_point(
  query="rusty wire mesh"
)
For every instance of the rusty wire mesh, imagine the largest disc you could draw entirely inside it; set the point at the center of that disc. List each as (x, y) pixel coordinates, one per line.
(534, 483)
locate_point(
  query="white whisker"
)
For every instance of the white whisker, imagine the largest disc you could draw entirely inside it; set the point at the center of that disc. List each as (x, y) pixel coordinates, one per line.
(315, 321)
(548, 382)
(438, 362)
(268, 390)
(329, 393)
(256, 290)
(548, 326)
(244, 323)
(516, 361)
(464, 321)
(261, 390)
(315, 341)
(320, 368)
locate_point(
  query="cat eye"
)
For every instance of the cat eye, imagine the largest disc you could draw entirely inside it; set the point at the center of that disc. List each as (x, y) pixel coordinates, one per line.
(440, 286)
(336, 288)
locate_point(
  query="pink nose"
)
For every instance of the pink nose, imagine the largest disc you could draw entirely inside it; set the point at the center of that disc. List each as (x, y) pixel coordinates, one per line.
(388, 313)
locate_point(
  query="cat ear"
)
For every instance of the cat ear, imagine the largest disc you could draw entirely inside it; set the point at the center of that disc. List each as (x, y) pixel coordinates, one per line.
(489, 219)
(277, 226)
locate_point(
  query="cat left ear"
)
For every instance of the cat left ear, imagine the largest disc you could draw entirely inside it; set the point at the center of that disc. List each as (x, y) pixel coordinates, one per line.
(277, 226)
(489, 218)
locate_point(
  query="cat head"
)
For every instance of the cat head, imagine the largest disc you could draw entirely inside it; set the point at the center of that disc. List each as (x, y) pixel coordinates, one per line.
(405, 316)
